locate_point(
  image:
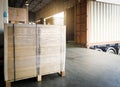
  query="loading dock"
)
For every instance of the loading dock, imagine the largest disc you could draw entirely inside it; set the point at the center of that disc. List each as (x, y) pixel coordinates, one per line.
(90, 23)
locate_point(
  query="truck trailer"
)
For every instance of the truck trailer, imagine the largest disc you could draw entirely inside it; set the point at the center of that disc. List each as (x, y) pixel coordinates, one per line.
(99, 26)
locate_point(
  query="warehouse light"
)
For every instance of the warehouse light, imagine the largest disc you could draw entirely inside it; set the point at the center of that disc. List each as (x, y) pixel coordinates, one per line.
(38, 21)
(26, 3)
(79, 1)
(58, 19)
(61, 14)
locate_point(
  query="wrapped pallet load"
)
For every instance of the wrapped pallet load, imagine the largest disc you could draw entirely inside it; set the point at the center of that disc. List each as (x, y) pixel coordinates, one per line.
(33, 51)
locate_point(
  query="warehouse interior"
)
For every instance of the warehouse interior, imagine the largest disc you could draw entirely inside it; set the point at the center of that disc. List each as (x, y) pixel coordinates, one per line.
(83, 67)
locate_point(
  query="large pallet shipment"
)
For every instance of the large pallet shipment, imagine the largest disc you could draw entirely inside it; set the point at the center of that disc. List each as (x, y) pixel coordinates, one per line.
(33, 51)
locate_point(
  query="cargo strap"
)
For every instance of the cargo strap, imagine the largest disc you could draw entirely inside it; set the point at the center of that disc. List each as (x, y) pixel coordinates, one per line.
(14, 65)
(37, 50)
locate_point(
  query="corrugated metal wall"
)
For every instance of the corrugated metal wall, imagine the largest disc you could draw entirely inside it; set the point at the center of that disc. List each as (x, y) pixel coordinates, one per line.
(104, 22)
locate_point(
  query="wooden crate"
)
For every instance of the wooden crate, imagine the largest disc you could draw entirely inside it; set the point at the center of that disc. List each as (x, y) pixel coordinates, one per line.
(18, 15)
(31, 51)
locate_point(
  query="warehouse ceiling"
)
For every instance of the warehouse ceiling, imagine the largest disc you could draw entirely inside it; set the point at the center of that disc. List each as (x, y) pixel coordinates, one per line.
(34, 5)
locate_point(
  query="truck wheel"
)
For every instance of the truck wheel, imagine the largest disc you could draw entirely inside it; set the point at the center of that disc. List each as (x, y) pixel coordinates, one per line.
(98, 49)
(111, 50)
(119, 51)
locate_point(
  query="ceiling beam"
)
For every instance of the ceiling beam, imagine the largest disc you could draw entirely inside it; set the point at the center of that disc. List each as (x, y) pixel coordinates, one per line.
(14, 4)
(37, 4)
(11, 3)
(30, 1)
(23, 3)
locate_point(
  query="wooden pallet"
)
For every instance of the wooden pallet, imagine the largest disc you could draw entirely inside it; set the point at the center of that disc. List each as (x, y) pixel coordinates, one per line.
(39, 79)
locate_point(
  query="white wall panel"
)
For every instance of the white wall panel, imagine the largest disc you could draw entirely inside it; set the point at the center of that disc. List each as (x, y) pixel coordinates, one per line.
(3, 8)
(1, 15)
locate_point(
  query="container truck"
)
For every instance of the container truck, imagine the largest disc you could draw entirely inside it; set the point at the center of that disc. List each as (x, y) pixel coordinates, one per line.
(100, 29)
(104, 32)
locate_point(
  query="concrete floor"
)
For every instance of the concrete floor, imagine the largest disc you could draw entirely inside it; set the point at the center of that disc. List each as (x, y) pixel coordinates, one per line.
(84, 68)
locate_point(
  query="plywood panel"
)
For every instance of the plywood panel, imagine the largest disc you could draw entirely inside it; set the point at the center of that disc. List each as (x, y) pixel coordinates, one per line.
(50, 55)
(21, 14)
(21, 52)
(12, 15)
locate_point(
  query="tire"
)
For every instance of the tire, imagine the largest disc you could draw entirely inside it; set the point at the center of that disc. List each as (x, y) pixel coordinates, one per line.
(98, 49)
(119, 51)
(111, 50)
